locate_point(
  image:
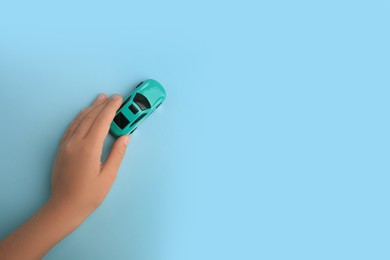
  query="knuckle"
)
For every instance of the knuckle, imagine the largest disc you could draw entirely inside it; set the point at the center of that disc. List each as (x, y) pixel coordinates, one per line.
(86, 148)
(121, 151)
(77, 122)
(100, 120)
(88, 117)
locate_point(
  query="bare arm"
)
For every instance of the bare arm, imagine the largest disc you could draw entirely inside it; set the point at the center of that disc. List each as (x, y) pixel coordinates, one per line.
(80, 182)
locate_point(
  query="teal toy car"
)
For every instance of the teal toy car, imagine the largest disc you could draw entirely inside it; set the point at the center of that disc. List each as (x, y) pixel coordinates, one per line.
(146, 97)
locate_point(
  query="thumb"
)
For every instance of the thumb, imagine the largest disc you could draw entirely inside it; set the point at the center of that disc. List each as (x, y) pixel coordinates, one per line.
(116, 155)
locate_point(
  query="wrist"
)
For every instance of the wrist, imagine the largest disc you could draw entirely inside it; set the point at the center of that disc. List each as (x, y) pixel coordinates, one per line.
(67, 210)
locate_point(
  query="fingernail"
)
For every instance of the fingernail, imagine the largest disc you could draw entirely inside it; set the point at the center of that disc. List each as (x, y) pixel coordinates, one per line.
(101, 96)
(115, 97)
(126, 139)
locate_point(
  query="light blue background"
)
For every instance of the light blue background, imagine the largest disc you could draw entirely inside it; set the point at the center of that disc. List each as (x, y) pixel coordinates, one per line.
(273, 142)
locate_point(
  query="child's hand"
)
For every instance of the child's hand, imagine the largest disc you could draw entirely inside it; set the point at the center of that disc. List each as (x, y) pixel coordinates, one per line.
(80, 181)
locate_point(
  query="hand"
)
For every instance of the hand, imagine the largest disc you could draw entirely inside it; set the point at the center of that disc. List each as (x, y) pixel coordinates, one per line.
(80, 182)
(79, 179)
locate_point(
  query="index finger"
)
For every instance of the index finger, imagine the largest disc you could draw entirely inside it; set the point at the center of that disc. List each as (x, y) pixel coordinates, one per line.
(101, 125)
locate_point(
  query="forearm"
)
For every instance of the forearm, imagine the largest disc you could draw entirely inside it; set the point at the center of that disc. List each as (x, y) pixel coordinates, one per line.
(41, 232)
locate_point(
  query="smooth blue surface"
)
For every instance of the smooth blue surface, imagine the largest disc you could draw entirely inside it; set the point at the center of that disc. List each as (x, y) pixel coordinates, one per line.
(273, 142)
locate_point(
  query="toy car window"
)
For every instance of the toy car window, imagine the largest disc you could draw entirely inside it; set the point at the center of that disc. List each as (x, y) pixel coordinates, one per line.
(141, 101)
(139, 118)
(133, 109)
(121, 120)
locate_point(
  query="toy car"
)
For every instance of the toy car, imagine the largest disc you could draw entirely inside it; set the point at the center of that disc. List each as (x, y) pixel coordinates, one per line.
(146, 97)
